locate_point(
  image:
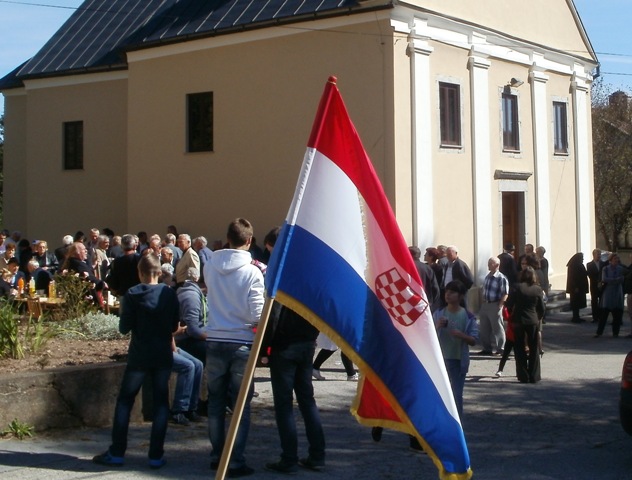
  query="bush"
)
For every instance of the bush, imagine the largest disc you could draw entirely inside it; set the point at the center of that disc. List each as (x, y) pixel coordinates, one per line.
(77, 295)
(92, 326)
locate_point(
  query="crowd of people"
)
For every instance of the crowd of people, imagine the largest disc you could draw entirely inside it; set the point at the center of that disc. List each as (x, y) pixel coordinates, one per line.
(191, 310)
(607, 281)
(510, 317)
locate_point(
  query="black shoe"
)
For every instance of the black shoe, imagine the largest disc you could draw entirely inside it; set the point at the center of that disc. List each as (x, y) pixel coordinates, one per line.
(487, 353)
(282, 467)
(311, 464)
(108, 460)
(193, 416)
(240, 472)
(577, 320)
(376, 433)
(180, 419)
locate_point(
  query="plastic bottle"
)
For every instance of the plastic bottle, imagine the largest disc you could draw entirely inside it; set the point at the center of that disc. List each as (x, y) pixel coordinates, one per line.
(52, 292)
(32, 287)
(21, 286)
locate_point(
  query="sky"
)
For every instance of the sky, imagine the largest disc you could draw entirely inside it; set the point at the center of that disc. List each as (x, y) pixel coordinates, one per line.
(25, 25)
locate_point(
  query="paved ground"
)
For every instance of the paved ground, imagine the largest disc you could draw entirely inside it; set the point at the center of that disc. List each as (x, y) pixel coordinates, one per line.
(564, 427)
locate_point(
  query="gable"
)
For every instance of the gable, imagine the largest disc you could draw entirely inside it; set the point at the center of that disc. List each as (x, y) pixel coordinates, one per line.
(554, 23)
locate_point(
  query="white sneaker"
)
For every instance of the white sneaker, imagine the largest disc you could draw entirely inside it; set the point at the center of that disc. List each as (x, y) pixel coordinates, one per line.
(499, 373)
(353, 378)
(317, 375)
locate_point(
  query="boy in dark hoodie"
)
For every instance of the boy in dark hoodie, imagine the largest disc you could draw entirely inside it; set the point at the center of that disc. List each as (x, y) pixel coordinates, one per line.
(151, 312)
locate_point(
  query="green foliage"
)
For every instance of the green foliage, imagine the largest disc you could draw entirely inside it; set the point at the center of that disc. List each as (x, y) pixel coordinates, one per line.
(10, 341)
(612, 157)
(76, 293)
(19, 429)
(38, 332)
(16, 342)
(92, 326)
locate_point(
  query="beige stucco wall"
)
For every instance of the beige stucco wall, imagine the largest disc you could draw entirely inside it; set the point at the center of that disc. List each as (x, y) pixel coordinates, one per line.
(14, 207)
(265, 98)
(543, 22)
(266, 87)
(63, 201)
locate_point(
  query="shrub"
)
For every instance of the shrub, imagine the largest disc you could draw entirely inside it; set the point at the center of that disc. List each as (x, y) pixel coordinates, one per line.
(76, 293)
(93, 326)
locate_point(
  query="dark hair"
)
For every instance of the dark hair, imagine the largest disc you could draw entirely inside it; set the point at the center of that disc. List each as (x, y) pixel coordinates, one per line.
(433, 252)
(240, 231)
(456, 286)
(414, 252)
(13, 260)
(271, 237)
(532, 261)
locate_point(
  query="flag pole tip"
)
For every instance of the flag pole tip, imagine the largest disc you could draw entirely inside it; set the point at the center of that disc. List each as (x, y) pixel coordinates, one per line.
(332, 80)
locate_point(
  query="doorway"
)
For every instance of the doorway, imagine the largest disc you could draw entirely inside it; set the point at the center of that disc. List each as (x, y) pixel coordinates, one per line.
(513, 219)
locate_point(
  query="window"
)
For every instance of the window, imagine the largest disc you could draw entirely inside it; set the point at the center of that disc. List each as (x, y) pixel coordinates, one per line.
(450, 114)
(511, 136)
(560, 126)
(200, 122)
(73, 145)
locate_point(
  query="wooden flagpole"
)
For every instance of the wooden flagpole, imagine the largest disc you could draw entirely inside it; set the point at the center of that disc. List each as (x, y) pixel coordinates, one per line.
(249, 373)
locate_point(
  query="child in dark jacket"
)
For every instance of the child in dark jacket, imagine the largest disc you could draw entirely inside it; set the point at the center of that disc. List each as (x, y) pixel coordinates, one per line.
(151, 312)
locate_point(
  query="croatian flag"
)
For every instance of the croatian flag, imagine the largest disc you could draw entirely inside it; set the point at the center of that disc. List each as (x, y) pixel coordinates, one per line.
(343, 264)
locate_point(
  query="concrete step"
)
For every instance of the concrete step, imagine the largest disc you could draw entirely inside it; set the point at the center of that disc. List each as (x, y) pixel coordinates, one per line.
(557, 302)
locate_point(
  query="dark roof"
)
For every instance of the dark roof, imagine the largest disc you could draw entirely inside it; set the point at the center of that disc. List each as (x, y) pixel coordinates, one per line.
(97, 35)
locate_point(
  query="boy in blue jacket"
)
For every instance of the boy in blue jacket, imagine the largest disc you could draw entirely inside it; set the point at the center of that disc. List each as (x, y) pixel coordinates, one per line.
(150, 311)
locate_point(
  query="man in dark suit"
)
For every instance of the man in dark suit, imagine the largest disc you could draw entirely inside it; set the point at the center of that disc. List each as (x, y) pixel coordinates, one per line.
(456, 269)
(124, 269)
(428, 278)
(593, 268)
(508, 265)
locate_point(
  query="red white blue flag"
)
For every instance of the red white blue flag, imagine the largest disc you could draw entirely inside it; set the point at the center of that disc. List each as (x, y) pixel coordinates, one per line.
(342, 262)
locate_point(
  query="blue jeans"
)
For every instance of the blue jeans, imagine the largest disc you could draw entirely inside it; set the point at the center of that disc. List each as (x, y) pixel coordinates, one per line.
(132, 381)
(189, 370)
(457, 382)
(291, 371)
(225, 366)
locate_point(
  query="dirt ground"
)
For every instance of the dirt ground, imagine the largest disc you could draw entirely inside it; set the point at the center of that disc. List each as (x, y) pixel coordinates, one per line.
(60, 352)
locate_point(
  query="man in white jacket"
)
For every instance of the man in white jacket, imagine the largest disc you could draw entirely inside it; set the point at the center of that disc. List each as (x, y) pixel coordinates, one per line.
(235, 301)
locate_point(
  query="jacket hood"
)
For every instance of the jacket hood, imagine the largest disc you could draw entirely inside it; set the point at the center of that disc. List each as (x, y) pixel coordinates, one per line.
(229, 260)
(145, 295)
(189, 286)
